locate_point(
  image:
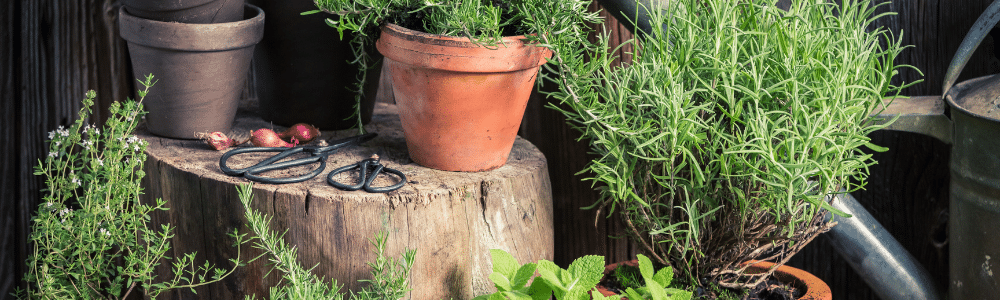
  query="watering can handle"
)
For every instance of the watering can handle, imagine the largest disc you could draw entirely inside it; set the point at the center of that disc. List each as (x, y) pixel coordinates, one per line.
(975, 36)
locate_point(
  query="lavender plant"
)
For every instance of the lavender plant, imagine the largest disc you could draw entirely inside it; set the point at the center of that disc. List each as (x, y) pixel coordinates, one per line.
(91, 237)
(724, 137)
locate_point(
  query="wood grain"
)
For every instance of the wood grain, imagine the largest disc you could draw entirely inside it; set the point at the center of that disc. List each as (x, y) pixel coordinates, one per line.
(451, 218)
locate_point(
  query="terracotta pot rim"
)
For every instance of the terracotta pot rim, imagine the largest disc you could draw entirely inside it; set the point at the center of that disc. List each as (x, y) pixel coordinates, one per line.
(446, 40)
(816, 289)
(193, 36)
(458, 54)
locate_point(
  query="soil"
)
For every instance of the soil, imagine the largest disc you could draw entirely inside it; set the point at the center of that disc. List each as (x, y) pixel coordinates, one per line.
(770, 289)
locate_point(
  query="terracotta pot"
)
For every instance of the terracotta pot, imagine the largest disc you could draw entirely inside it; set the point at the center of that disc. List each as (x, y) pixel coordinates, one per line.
(815, 289)
(460, 104)
(187, 11)
(303, 70)
(201, 70)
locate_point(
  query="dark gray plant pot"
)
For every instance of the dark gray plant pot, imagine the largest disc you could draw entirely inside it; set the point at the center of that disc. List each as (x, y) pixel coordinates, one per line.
(187, 11)
(303, 70)
(201, 70)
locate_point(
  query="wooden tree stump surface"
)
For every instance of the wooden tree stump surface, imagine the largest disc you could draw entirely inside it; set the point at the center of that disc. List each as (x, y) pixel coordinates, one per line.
(452, 219)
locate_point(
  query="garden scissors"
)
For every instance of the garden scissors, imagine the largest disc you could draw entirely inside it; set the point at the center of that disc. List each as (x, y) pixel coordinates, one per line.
(317, 154)
(369, 169)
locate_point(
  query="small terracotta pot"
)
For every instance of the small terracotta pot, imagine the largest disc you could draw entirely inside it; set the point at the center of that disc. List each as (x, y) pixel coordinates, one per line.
(187, 11)
(201, 70)
(460, 104)
(815, 289)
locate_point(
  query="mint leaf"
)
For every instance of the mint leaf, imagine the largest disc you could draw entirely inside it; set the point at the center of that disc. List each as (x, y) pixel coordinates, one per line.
(500, 281)
(664, 276)
(523, 275)
(504, 263)
(588, 271)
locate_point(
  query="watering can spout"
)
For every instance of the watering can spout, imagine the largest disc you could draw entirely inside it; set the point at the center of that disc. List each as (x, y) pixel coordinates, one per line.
(880, 260)
(924, 115)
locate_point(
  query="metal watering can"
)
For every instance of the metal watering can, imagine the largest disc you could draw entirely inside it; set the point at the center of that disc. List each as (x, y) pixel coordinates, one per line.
(974, 225)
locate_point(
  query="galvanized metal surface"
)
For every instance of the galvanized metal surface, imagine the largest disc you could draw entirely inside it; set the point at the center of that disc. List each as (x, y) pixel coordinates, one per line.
(924, 115)
(876, 256)
(974, 232)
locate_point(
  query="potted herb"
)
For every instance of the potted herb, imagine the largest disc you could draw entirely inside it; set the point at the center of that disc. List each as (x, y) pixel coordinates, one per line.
(461, 71)
(723, 139)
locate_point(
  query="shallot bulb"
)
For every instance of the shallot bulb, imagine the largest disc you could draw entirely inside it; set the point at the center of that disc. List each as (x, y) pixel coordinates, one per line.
(219, 140)
(302, 132)
(267, 138)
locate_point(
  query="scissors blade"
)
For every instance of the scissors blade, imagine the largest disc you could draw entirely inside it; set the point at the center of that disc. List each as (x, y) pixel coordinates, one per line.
(354, 140)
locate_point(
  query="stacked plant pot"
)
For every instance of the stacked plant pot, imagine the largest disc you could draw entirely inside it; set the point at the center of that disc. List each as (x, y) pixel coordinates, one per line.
(199, 51)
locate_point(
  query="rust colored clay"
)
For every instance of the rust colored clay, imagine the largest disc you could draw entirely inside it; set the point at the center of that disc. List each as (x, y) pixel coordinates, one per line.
(815, 288)
(460, 104)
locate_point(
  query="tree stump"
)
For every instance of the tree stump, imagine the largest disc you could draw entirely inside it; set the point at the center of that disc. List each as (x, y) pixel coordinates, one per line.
(452, 219)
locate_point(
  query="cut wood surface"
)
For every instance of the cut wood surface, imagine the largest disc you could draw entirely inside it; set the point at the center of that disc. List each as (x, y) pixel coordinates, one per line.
(452, 219)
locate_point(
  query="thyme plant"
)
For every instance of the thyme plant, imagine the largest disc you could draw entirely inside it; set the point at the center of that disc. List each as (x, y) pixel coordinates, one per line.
(725, 136)
(90, 237)
(483, 22)
(390, 276)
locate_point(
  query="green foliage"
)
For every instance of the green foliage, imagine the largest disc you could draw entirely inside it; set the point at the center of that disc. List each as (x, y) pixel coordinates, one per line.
(483, 22)
(91, 238)
(389, 276)
(733, 123)
(578, 282)
(656, 284)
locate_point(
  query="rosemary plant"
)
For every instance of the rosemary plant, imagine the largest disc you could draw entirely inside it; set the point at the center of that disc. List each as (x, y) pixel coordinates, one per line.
(390, 277)
(483, 22)
(723, 138)
(90, 237)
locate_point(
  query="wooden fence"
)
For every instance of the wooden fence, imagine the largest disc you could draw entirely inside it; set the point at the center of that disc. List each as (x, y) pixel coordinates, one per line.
(55, 50)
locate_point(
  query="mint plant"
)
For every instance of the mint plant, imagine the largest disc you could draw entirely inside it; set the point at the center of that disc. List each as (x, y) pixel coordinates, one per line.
(578, 282)
(91, 237)
(390, 276)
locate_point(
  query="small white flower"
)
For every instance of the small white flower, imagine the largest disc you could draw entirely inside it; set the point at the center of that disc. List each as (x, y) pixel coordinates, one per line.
(62, 131)
(100, 162)
(53, 154)
(64, 211)
(52, 134)
(48, 204)
(105, 232)
(96, 131)
(136, 147)
(58, 143)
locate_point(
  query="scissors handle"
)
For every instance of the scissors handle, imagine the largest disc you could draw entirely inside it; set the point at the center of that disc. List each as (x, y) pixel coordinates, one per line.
(284, 152)
(365, 179)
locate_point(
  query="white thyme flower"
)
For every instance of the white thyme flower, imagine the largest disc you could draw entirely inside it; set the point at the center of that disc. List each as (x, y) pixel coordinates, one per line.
(48, 204)
(58, 143)
(105, 232)
(52, 134)
(136, 147)
(62, 131)
(53, 154)
(100, 162)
